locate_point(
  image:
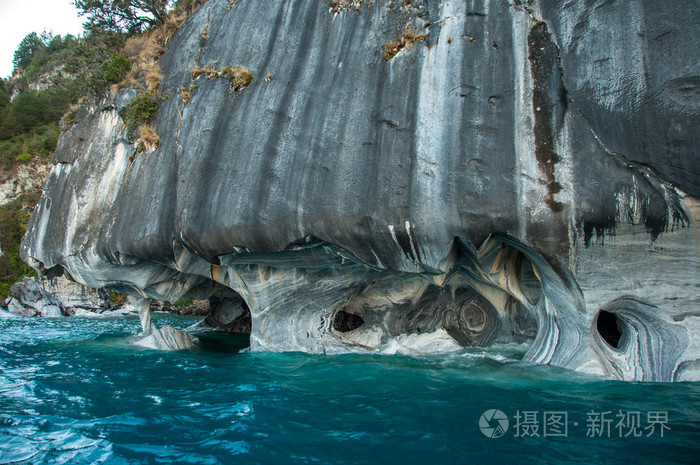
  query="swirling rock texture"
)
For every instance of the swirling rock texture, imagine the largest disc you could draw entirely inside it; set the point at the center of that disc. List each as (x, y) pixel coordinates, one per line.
(524, 172)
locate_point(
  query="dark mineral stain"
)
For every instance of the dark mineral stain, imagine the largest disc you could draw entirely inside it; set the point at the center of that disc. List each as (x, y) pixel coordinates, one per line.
(404, 241)
(544, 64)
(599, 226)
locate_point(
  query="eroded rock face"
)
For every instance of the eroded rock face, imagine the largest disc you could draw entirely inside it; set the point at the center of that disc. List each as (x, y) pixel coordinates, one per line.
(76, 298)
(529, 172)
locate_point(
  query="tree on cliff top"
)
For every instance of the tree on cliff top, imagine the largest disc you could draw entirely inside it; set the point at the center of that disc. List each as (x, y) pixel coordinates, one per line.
(30, 46)
(130, 16)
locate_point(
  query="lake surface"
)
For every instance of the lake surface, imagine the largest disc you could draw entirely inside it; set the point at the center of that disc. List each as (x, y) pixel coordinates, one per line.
(74, 390)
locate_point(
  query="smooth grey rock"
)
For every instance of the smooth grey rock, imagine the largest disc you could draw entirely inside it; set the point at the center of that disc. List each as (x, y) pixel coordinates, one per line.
(16, 308)
(648, 345)
(54, 297)
(526, 166)
(50, 311)
(166, 338)
(226, 313)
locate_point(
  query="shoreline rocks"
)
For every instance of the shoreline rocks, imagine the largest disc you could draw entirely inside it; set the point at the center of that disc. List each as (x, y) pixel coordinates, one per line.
(27, 298)
(59, 296)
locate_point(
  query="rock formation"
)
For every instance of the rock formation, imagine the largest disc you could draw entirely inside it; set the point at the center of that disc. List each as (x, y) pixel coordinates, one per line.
(165, 338)
(437, 172)
(76, 298)
(58, 296)
(29, 299)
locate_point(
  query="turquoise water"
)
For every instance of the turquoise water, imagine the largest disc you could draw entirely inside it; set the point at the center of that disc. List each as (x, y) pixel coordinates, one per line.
(74, 391)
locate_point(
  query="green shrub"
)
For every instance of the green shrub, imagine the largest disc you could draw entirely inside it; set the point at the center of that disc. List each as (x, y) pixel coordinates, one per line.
(182, 302)
(14, 217)
(69, 118)
(72, 66)
(141, 110)
(115, 68)
(9, 124)
(203, 37)
(41, 140)
(49, 139)
(33, 109)
(117, 298)
(24, 157)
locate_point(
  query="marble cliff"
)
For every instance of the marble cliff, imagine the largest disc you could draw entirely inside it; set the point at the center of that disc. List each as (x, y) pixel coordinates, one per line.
(507, 171)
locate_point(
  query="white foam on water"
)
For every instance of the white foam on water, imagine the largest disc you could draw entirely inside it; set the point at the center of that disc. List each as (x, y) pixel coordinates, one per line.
(437, 342)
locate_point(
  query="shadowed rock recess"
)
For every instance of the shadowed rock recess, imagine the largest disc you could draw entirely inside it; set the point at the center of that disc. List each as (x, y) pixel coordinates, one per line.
(526, 173)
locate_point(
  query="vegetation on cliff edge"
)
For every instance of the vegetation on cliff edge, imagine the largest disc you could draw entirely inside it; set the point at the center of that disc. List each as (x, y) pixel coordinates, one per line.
(54, 75)
(14, 217)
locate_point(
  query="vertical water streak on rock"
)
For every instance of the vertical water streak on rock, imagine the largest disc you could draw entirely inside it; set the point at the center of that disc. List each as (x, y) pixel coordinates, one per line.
(618, 66)
(567, 176)
(543, 66)
(439, 73)
(34, 239)
(308, 59)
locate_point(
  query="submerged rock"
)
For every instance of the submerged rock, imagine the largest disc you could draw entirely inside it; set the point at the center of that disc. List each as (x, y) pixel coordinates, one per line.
(510, 172)
(165, 338)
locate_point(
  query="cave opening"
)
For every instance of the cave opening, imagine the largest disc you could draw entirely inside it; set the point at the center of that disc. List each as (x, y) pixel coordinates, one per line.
(344, 321)
(228, 324)
(609, 328)
(229, 314)
(401, 307)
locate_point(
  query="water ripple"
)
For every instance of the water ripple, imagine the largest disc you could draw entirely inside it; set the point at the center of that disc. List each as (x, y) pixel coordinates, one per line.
(75, 391)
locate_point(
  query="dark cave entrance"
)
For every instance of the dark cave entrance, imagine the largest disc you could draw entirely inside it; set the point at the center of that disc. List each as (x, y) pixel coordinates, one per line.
(609, 328)
(227, 326)
(229, 313)
(344, 321)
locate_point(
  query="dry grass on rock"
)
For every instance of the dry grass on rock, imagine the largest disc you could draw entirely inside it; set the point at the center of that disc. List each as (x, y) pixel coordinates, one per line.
(407, 39)
(149, 137)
